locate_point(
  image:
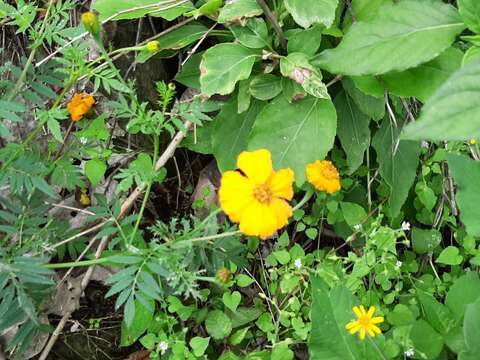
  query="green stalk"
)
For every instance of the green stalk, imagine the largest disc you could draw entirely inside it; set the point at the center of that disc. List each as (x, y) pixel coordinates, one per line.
(77, 263)
(306, 197)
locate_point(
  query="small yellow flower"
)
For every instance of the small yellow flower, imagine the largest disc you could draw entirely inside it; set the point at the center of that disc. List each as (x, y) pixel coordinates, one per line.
(153, 46)
(257, 197)
(365, 322)
(324, 176)
(473, 141)
(84, 198)
(90, 22)
(80, 104)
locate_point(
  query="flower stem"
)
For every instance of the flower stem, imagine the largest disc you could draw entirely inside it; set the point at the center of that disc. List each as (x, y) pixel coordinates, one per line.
(306, 197)
(76, 263)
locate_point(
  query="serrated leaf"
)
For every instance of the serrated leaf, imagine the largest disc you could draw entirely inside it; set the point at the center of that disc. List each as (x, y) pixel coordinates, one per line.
(296, 133)
(402, 36)
(223, 65)
(54, 127)
(309, 12)
(95, 169)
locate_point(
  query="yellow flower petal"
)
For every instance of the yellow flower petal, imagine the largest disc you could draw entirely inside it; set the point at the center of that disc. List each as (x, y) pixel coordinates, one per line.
(376, 329)
(282, 211)
(356, 328)
(258, 220)
(370, 332)
(351, 324)
(256, 165)
(235, 194)
(281, 183)
(357, 311)
(362, 309)
(362, 333)
(377, 320)
(324, 176)
(371, 311)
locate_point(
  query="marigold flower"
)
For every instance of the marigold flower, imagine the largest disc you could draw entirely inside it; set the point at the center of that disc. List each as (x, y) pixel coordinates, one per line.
(257, 197)
(80, 104)
(153, 46)
(324, 176)
(365, 322)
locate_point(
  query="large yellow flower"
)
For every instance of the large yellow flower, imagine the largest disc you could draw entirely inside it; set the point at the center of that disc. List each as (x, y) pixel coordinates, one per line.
(324, 176)
(365, 322)
(257, 197)
(80, 104)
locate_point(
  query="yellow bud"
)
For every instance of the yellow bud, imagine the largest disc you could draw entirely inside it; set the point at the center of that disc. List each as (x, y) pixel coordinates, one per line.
(90, 22)
(153, 46)
(171, 86)
(473, 141)
(224, 275)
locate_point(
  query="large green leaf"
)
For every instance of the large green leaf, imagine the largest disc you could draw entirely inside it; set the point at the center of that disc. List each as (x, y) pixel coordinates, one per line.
(352, 129)
(236, 11)
(453, 112)
(427, 342)
(296, 133)
(133, 9)
(470, 13)
(398, 164)
(253, 35)
(231, 132)
(331, 311)
(223, 65)
(402, 36)
(437, 314)
(471, 329)
(466, 173)
(309, 12)
(465, 290)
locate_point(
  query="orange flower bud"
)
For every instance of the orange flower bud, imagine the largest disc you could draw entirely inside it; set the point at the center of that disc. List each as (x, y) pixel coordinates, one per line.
(224, 275)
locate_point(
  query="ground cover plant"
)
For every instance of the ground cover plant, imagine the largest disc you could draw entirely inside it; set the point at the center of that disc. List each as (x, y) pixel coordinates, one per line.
(240, 179)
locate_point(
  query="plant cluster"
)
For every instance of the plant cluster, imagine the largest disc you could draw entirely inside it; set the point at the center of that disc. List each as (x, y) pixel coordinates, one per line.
(345, 133)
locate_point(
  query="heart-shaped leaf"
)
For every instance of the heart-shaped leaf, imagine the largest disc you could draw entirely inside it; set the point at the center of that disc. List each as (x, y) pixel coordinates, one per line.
(232, 300)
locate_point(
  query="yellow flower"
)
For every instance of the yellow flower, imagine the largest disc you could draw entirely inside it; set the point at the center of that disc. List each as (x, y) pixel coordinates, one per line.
(257, 197)
(90, 22)
(80, 104)
(153, 46)
(324, 176)
(365, 322)
(473, 141)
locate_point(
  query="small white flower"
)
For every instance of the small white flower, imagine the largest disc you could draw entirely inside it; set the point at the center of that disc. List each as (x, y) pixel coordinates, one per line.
(83, 140)
(425, 144)
(405, 226)
(398, 264)
(298, 264)
(409, 353)
(357, 227)
(163, 346)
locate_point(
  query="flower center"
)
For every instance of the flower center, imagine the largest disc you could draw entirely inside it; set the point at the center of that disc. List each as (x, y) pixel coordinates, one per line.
(263, 194)
(364, 321)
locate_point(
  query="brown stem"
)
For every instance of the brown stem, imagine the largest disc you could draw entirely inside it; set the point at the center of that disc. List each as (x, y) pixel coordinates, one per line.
(273, 20)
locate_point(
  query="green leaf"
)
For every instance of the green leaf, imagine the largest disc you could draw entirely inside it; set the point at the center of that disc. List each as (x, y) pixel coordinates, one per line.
(244, 280)
(470, 12)
(148, 341)
(309, 12)
(54, 127)
(465, 290)
(189, 75)
(232, 300)
(466, 174)
(95, 130)
(427, 342)
(123, 9)
(143, 318)
(245, 315)
(265, 86)
(199, 345)
(353, 213)
(456, 102)
(471, 328)
(95, 169)
(402, 36)
(425, 240)
(237, 337)
(282, 352)
(305, 41)
(331, 311)
(422, 81)
(437, 314)
(282, 256)
(129, 311)
(253, 35)
(398, 164)
(182, 37)
(231, 131)
(369, 105)
(296, 133)
(265, 322)
(218, 324)
(235, 11)
(223, 65)
(352, 130)
(450, 256)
